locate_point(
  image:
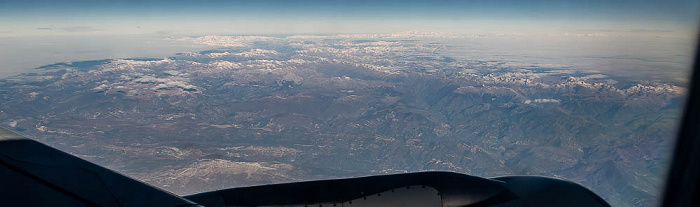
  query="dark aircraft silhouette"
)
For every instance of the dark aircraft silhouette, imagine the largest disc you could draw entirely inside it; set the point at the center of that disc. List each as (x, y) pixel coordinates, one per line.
(33, 174)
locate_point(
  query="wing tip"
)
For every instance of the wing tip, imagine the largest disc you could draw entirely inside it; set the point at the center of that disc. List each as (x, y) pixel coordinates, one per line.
(6, 135)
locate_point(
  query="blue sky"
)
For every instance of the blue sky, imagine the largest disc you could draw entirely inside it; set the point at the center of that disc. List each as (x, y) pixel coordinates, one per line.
(38, 17)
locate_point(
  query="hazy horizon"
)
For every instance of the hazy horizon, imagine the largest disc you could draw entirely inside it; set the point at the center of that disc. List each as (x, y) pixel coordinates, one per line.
(36, 18)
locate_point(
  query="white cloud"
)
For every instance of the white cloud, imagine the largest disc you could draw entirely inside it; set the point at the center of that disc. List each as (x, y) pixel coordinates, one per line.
(225, 41)
(150, 79)
(256, 53)
(399, 35)
(594, 76)
(172, 72)
(307, 37)
(224, 65)
(100, 88)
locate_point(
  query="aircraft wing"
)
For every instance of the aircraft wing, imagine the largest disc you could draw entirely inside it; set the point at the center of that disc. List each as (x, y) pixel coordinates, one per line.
(422, 189)
(33, 174)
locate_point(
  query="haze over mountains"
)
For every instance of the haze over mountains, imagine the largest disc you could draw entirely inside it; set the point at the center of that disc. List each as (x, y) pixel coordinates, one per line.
(264, 109)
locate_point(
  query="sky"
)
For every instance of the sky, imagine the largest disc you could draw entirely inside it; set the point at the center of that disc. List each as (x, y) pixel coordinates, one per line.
(537, 17)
